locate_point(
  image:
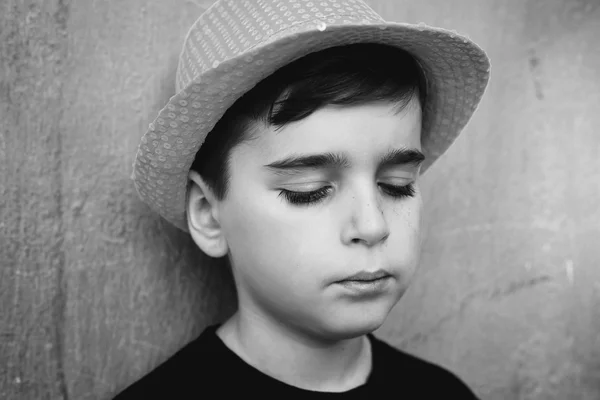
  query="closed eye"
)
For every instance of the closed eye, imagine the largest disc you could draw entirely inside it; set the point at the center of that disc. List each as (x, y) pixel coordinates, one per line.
(315, 196)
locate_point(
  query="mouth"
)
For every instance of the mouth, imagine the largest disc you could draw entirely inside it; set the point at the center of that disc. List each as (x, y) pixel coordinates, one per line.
(367, 276)
(364, 280)
(366, 287)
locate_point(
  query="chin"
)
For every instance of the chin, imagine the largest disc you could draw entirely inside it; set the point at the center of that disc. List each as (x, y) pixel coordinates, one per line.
(359, 329)
(358, 322)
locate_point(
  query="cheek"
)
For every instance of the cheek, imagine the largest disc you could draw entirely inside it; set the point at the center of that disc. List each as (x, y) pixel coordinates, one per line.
(268, 224)
(270, 258)
(406, 231)
(261, 234)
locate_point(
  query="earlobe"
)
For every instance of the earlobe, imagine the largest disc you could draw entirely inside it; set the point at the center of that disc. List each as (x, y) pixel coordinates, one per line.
(202, 217)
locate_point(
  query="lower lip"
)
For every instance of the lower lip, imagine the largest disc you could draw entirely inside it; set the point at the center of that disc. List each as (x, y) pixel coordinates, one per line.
(366, 287)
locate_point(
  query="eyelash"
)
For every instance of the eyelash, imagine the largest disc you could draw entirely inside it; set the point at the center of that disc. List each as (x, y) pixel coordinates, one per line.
(307, 198)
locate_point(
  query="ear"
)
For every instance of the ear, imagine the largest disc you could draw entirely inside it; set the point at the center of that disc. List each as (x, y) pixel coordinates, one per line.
(203, 218)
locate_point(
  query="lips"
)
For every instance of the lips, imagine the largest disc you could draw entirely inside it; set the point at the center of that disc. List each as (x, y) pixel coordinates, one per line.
(366, 276)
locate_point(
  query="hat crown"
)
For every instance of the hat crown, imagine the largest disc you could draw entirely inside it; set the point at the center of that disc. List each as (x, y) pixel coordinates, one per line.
(230, 27)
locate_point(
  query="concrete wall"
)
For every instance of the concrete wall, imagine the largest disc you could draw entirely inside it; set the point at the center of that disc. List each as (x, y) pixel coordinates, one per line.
(95, 290)
(508, 294)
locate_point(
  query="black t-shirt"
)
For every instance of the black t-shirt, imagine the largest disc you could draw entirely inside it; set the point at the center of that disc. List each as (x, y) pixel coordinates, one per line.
(207, 369)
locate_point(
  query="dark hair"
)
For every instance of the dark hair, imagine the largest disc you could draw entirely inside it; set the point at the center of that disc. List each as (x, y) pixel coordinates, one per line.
(354, 74)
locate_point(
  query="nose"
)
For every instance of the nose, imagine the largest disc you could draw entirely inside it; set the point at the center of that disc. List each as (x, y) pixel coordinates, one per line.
(368, 224)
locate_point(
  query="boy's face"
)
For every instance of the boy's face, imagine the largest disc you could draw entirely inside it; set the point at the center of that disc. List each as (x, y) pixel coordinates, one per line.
(287, 257)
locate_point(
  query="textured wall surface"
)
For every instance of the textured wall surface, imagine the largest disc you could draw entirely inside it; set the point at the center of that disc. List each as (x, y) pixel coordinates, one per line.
(508, 295)
(95, 290)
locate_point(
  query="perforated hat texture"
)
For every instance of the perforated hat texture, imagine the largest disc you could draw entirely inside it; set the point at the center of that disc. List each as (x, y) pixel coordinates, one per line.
(235, 44)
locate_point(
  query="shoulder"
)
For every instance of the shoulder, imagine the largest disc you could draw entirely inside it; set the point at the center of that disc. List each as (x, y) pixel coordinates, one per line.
(420, 376)
(189, 370)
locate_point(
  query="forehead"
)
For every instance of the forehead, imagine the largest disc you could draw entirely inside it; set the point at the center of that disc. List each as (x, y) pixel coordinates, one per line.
(362, 129)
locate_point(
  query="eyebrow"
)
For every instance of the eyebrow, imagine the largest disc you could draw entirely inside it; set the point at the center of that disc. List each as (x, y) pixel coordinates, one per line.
(297, 163)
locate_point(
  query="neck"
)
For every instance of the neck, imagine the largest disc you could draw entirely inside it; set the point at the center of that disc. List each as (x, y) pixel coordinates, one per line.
(318, 365)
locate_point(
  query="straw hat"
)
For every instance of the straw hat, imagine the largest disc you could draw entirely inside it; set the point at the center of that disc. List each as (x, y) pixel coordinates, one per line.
(235, 44)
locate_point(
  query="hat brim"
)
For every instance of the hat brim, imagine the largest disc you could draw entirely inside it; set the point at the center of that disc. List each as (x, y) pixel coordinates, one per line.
(455, 68)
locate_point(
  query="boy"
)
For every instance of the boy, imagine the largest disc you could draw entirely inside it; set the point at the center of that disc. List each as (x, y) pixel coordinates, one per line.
(294, 148)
